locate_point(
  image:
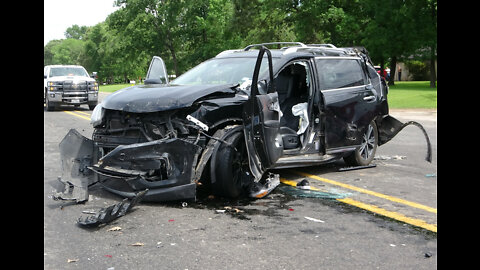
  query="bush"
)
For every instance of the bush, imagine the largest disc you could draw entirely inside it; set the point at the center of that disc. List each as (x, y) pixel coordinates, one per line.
(418, 70)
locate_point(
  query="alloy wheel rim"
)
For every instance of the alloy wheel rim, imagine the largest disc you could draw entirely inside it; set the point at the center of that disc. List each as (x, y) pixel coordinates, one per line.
(368, 143)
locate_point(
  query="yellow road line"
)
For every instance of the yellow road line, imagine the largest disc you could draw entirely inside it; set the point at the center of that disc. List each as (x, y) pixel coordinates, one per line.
(83, 113)
(390, 214)
(375, 209)
(77, 115)
(366, 191)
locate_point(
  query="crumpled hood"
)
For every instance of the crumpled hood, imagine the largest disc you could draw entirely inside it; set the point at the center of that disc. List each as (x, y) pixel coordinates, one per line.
(153, 98)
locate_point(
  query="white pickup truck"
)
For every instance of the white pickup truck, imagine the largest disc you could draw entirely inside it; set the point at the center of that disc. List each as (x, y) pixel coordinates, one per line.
(68, 84)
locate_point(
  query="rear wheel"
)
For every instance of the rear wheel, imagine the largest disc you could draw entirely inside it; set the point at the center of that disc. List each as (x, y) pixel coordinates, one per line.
(366, 152)
(231, 167)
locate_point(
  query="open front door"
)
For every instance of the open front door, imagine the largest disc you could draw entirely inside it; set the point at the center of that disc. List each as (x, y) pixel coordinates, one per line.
(157, 72)
(261, 115)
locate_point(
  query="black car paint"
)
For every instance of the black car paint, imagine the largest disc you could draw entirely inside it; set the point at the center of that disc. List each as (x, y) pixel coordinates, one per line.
(342, 119)
(154, 97)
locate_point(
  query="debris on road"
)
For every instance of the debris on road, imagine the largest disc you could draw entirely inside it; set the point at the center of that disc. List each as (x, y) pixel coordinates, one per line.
(304, 184)
(396, 157)
(356, 167)
(114, 229)
(305, 193)
(315, 220)
(259, 190)
(105, 215)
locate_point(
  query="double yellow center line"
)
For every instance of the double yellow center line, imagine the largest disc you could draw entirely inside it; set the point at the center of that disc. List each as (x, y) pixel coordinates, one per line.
(80, 114)
(368, 207)
(373, 208)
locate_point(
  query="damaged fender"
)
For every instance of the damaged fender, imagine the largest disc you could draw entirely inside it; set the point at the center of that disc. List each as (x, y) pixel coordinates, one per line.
(76, 154)
(390, 127)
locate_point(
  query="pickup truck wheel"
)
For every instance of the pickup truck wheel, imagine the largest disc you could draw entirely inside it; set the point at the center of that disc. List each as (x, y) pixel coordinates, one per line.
(48, 104)
(231, 167)
(366, 152)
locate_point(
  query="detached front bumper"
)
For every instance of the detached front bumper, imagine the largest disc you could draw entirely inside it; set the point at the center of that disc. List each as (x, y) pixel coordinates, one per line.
(164, 167)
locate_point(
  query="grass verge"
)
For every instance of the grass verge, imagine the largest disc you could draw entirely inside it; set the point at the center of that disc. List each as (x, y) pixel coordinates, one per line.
(412, 94)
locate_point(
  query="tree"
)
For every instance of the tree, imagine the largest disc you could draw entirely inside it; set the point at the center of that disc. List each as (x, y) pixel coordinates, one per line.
(76, 32)
(64, 52)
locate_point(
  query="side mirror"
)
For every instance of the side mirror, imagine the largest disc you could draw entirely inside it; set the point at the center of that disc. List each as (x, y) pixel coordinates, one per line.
(44, 76)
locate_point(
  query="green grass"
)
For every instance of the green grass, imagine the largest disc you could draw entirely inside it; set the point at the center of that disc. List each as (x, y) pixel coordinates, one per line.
(412, 94)
(112, 87)
(404, 94)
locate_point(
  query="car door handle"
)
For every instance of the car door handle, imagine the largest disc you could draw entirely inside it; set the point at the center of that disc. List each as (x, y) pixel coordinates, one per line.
(369, 98)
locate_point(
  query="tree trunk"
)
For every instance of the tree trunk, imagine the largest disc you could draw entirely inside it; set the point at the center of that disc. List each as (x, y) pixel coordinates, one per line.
(433, 75)
(171, 48)
(393, 70)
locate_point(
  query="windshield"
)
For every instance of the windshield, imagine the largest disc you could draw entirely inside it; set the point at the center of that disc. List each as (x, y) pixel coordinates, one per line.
(67, 71)
(222, 71)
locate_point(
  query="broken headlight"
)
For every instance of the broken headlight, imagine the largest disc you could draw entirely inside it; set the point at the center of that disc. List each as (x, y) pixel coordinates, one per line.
(97, 115)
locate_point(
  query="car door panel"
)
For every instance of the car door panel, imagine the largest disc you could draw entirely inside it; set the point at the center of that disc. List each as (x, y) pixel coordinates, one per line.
(348, 109)
(261, 116)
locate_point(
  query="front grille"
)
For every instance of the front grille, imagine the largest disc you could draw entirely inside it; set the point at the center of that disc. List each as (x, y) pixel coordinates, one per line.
(78, 86)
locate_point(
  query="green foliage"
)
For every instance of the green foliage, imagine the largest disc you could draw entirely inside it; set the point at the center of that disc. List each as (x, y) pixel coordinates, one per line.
(187, 32)
(417, 69)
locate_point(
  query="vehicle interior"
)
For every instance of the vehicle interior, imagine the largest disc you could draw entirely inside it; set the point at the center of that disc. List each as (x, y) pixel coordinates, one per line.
(293, 88)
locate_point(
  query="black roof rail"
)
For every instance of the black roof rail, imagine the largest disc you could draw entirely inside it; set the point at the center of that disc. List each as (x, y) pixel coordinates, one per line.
(273, 43)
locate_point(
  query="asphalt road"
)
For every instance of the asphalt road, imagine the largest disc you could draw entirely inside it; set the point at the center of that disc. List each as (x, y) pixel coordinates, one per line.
(386, 220)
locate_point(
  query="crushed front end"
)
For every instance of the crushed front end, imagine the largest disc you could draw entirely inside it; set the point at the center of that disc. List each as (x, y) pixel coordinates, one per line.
(156, 151)
(131, 152)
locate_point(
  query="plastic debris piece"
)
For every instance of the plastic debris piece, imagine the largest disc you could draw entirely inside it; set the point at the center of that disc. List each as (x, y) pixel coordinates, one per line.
(315, 220)
(259, 190)
(430, 175)
(112, 212)
(72, 260)
(304, 184)
(137, 244)
(113, 229)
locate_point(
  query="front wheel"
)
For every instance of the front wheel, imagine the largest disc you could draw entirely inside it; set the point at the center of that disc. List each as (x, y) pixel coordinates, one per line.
(364, 154)
(232, 171)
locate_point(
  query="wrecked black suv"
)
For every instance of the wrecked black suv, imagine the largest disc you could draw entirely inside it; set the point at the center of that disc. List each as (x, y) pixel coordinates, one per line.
(227, 121)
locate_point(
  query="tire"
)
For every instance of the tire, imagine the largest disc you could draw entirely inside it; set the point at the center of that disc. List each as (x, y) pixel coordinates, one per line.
(231, 167)
(363, 155)
(48, 104)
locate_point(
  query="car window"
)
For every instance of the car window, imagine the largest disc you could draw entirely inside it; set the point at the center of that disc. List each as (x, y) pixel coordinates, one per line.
(157, 70)
(67, 71)
(221, 71)
(339, 73)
